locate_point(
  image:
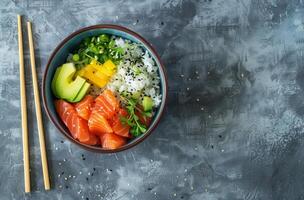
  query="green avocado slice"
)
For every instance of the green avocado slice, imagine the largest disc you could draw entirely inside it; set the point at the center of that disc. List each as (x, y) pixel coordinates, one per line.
(65, 87)
(53, 85)
(147, 103)
(81, 93)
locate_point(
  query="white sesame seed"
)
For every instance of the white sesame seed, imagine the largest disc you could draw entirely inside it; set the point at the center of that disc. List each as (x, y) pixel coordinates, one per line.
(187, 89)
(59, 163)
(66, 178)
(197, 99)
(182, 75)
(80, 172)
(202, 108)
(59, 175)
(174, 194)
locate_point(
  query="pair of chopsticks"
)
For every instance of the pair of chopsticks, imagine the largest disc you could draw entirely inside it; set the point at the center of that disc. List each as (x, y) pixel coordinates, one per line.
(27, 182)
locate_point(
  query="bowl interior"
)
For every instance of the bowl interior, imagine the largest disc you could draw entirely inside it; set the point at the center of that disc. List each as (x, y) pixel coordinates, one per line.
(59, 57)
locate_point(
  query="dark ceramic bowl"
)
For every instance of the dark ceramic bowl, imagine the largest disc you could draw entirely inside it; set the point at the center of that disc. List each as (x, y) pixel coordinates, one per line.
(59, 56)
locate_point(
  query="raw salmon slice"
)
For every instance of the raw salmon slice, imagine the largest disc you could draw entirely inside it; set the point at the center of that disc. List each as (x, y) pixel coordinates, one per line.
(77, 126)
(84, 107)
(112, 141)
(98, 124)
(102, 104)
(110, 97)
(120, 128)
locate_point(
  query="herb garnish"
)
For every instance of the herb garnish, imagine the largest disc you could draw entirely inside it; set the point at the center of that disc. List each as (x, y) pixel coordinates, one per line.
(137, 127)
(100, 48)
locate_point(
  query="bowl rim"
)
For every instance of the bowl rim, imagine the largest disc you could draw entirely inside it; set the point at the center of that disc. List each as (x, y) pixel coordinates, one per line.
(141, 39)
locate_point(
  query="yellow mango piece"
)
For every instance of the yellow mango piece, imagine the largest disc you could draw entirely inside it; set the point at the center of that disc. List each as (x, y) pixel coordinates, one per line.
(97, 73)
(109, 68)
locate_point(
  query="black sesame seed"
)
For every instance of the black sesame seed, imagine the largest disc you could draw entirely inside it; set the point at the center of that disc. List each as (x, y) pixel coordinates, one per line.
(161, 23)
(87, 198)
(62, 173)
(87, 178)
(220, 136)
(92, 174)
(83, 158)
(82, 155)
(111, 170)
(149, 188)
(94, 169)
(61, 141)
(212, 146)
(66, 187)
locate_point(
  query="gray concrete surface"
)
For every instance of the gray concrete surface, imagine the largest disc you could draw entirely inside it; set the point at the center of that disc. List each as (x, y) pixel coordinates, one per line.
(233, 128)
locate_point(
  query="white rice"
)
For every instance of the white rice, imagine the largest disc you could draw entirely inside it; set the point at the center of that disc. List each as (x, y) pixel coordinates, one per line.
(136, 74)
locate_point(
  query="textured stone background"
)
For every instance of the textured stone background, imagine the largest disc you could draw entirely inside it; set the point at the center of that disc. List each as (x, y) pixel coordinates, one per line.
(233, 128)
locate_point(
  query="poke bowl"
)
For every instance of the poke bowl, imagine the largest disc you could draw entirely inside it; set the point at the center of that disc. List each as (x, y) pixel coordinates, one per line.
(104, 88)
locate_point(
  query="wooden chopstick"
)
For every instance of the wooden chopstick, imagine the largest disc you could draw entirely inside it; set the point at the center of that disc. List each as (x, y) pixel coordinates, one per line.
(38, 110)
(26, 160)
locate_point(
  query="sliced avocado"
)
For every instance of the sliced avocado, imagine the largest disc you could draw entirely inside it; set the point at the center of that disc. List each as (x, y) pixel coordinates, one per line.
(136, 95)
(147, 103)
(81, 93)
(65, 86)
(54, 81)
